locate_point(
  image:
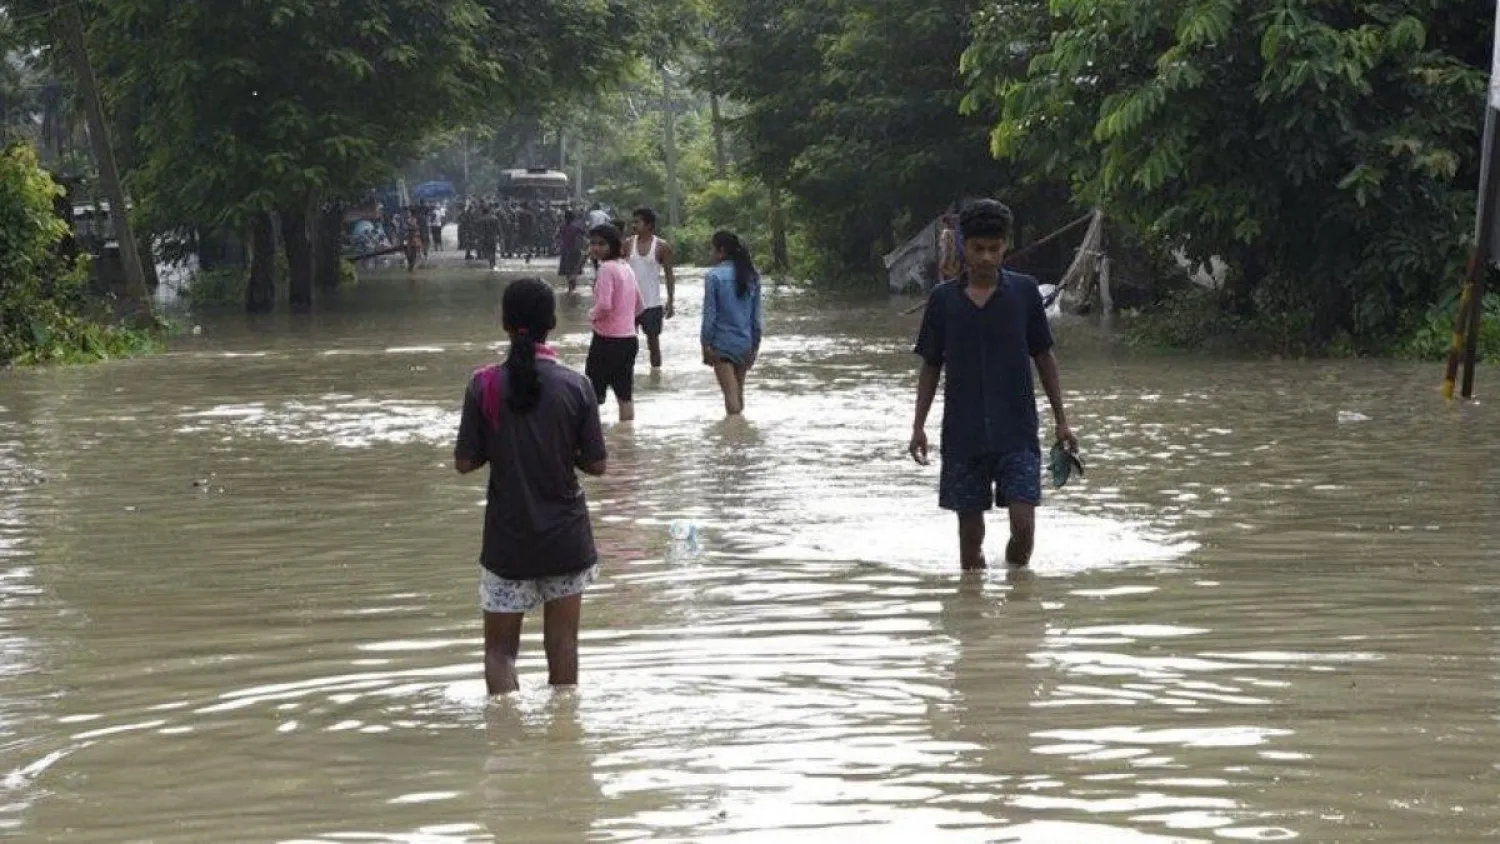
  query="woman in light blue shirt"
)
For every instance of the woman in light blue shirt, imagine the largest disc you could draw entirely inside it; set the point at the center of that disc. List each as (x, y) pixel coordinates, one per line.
(731, 318)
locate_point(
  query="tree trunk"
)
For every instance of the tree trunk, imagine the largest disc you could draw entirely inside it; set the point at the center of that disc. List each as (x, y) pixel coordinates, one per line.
(260, 293)
(137, 297)
(148, 260)
(299, 257)
(463, 138)
(721, 156)
(328, 263)
(780, 261)
(669, 124)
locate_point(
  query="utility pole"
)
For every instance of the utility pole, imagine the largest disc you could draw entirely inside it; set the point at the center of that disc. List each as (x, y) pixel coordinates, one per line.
(716, 122)
(578, 166)
(464, 139)
(71, 24)
(669, 121)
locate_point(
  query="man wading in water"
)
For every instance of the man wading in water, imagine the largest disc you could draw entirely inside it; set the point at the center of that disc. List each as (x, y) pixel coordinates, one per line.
(986, 328)
(653, 261)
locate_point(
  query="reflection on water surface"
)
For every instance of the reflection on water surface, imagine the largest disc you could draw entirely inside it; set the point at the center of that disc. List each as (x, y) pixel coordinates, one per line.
(237, 602)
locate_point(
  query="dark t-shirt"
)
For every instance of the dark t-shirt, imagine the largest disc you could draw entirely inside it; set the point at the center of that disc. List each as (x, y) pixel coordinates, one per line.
(536, 522)
(487, 230)
(989, 402)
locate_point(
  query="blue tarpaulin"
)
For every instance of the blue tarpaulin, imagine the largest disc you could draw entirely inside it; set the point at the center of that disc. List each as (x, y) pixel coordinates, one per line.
(434, 190)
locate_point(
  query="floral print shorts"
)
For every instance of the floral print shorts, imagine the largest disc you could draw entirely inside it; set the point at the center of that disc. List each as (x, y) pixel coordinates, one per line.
(497, 594)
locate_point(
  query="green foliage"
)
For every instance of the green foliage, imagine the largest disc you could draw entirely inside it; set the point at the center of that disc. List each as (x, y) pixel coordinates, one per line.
(273, 103)
(223, 287)
(1196, 319)
(348, 274)
(1432, 339)
(853, 106)
(45, 314)
(1325, 150)
(738, 205)
(270, 105)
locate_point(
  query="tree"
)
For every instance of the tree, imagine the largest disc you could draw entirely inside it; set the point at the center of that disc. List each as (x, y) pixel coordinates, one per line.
(858, 117)
(277, 107)
(45, 312)
(1326, 150)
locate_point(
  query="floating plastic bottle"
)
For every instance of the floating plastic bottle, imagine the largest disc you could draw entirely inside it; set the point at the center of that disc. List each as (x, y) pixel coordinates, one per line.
(684, 531)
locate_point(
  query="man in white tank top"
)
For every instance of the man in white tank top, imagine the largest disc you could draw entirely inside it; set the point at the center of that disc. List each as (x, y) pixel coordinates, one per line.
(653, 261)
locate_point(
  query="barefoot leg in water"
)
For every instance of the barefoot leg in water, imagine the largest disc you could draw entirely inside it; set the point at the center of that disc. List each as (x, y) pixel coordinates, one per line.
(732, 387)
(1022, 534)
(971, 540)
(560, 635)
(502, 644)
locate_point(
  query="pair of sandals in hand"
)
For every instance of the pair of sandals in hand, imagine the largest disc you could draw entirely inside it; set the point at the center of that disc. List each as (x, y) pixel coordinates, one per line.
(1062, 463)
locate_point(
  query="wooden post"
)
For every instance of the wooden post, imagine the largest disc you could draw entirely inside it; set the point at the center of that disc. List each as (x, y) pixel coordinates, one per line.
(138, 297)
(1484, 245)
(1460, 341)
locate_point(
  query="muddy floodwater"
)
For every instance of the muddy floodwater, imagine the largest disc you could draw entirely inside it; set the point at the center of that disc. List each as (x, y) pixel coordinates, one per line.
(238, 601)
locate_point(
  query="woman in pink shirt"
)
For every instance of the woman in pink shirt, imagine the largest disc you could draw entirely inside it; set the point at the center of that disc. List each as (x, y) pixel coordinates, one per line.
(617, 303)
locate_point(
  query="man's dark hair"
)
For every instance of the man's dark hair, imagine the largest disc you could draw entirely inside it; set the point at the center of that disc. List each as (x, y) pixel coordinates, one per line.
(647, 216)
(985, 218)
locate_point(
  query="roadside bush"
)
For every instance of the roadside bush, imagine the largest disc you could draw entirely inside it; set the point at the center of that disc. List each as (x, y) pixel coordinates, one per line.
(46, 312)
(1433, 337)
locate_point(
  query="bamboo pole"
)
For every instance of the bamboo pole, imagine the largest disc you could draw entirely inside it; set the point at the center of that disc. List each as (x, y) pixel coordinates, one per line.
(1471, 311)
(1460, 342)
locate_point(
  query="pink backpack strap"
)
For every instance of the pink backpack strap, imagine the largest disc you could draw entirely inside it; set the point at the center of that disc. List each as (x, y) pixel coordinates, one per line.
(491, 393)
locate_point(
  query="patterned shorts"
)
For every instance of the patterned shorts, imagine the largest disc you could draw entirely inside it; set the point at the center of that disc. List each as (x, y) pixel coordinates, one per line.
(497, 594)
(967, 486)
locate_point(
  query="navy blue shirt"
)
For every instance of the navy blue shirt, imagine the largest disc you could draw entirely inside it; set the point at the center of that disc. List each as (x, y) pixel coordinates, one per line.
(989, 401)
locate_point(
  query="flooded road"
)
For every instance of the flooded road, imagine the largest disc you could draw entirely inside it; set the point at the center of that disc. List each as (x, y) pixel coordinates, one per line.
(238, 601)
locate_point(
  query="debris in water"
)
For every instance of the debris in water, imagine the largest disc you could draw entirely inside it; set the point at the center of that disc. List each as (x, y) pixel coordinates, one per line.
(683, 530)
(1347, 417)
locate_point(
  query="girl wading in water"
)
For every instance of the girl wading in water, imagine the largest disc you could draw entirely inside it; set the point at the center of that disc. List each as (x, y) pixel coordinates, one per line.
(617, 304)
(731, 318)
(536, 424)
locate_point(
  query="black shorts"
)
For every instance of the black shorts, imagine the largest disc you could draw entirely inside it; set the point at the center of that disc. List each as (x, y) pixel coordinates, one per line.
(611, 366)
(967, 486)
(651, 320)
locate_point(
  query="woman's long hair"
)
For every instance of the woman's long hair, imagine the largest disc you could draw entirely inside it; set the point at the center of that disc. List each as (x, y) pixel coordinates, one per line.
(745, 273)
(529, 313)
(610, 235)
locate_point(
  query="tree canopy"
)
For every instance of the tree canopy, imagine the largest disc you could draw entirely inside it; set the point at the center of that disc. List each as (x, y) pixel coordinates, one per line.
(1326, 150)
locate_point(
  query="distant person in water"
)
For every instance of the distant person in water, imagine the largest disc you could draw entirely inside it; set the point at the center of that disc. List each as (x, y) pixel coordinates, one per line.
(731, 317)
(654, 263)
(535, 423)
(412, 240)
(987, 328)
(572, 241)
(487, 236)
(617, 304)
(597, 217)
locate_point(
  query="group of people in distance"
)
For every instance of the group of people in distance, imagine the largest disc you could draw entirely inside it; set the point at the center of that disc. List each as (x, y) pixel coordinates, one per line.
(536, 423)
